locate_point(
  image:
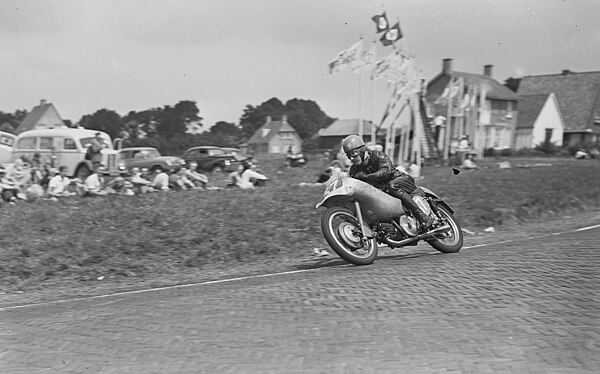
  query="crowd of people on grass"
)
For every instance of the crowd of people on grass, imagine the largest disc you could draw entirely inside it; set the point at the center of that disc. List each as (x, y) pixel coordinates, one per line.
(26, 179)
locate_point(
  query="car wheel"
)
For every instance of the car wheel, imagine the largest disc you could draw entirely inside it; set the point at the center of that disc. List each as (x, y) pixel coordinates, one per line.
(216, 169)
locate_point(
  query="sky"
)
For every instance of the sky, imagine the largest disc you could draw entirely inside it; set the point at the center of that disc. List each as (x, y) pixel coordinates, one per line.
(124, 55)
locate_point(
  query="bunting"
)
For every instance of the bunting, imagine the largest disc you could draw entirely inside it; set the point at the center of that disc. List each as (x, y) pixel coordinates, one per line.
(351, 57)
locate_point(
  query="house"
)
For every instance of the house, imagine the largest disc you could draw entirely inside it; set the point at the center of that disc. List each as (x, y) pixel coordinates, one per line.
(489, 115)
(578, 96)
(331, 136)
(539, 121)
(274, 137)
(43, 116)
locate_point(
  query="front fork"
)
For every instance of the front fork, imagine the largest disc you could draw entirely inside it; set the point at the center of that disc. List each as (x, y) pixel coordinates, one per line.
(364, 229)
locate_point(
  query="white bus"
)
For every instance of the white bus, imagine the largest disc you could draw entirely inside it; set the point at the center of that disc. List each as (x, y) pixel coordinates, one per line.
(65, 146)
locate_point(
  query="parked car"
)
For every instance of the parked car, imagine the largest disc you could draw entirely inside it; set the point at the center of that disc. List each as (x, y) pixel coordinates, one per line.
(148, 157)
(211, 158)
(235, 152)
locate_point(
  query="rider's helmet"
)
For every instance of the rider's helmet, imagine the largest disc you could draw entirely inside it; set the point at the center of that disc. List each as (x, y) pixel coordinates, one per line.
(351, 143)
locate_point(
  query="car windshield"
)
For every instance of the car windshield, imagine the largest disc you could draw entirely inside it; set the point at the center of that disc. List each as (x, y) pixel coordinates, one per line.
(85, 141)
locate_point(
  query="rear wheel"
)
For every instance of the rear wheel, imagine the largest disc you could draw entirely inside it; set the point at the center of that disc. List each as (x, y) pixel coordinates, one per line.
(216, 169)
(452, 241)
(342, 232)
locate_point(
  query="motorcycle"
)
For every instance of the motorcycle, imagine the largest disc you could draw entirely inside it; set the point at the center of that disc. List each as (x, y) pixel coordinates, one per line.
(360, 216)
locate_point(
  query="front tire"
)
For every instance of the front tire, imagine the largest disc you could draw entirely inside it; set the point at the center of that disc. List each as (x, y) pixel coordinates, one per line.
(453, 242)
(342, 232)
(217, 169)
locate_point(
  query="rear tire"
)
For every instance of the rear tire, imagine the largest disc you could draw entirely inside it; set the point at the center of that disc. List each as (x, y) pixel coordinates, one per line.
(341, 230)
(454, 241)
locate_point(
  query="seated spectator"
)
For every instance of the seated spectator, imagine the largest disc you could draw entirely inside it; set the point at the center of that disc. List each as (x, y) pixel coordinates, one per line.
(58, 186)
(94, 183)
(197, 178)
(178, 180)
(468, 163)
(20, 174)
(140, 184)
(8, 187)
(246, 178)
(161, 180)
(121, 185)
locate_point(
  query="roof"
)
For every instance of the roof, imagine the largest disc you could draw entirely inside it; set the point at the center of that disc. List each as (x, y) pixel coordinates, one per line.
(494, 90)
(529, 109)
(578, 95)
(345, 127)
(33, 117)
(267, 131)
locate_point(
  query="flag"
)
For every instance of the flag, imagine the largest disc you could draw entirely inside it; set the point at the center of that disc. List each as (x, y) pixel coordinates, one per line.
(381, 22)
(391, 35)
(351, 57)
(368, 58)
(386, 64)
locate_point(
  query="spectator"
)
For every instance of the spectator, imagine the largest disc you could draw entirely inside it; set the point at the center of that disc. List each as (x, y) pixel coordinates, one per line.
(94, 183)
(20, 175)
(8, 187)
(140, 184)
(178, 180)
(161, 180)
(468, 163)
(121, 185)
(246, 178)
(198, 179)
(95, 150)
(58, 186)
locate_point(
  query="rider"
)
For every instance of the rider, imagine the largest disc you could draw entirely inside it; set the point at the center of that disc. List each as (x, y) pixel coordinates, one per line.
(376, 168)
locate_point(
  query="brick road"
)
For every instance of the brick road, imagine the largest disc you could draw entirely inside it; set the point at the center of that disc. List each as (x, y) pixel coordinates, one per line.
(531, 306)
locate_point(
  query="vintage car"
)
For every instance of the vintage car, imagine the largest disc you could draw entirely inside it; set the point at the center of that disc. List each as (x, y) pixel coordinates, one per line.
(66, 146)
(211, 158)
(148, 157)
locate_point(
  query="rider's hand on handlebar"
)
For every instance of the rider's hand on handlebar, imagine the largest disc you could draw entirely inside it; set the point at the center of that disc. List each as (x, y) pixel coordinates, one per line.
(361, 175)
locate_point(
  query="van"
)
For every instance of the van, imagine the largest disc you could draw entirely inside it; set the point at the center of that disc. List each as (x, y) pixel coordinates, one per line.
(7, 141)
(66, 147)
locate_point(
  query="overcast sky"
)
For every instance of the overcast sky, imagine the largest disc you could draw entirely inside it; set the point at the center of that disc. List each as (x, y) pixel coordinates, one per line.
(86, 55)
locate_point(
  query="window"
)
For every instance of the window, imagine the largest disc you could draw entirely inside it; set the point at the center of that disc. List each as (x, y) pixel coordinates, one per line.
(6, 140)
(69, 144)
(26, 143)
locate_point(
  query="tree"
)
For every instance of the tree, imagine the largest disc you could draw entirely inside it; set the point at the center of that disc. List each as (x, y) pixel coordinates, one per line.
(104, 120)
(305, 116)
(225, 134)
(174, 120)
(254, 117)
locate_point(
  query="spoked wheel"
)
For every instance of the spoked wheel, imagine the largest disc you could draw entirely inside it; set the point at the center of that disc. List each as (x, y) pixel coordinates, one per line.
(342, 232)
(452, 240)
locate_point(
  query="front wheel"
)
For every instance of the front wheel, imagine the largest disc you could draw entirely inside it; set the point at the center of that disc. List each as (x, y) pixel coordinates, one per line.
(452, 241)
(342, 232)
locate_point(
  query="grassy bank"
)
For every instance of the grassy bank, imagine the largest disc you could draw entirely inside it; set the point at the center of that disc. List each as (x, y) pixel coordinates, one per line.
(143, 237)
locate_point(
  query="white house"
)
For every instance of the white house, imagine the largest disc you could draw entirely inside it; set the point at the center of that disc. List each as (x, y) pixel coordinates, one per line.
(539, 120)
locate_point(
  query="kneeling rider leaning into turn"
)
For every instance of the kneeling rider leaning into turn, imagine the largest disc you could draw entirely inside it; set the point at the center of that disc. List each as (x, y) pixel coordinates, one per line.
(376, 168)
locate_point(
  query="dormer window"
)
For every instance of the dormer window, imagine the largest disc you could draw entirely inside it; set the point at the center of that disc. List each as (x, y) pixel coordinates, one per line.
(265, 132)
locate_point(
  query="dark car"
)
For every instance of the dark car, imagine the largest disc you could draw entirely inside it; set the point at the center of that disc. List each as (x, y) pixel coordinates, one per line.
(210, 158)
(148, 157)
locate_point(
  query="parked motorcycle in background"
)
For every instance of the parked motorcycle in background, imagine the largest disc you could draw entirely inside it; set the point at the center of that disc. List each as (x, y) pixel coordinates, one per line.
(360, 216)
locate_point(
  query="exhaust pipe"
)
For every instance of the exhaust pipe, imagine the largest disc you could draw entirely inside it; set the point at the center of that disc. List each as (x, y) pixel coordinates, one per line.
(396, 243)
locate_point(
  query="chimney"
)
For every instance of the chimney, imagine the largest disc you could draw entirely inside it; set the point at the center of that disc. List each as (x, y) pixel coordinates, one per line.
(487, 70)
(43, 102)
(447, 65)
(566, 71)
(284, 118)
(268, 119)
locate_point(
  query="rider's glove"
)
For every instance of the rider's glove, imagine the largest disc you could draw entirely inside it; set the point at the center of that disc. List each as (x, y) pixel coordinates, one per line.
(361, 175)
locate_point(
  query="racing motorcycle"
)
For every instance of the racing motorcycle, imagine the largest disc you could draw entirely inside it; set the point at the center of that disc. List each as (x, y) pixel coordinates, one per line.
(360, 216)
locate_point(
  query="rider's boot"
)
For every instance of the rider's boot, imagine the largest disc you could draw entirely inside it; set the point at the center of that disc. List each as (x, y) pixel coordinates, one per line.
(425, 220)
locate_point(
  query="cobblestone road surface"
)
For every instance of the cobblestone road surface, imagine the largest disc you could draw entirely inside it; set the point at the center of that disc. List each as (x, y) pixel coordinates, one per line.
(531, 306)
